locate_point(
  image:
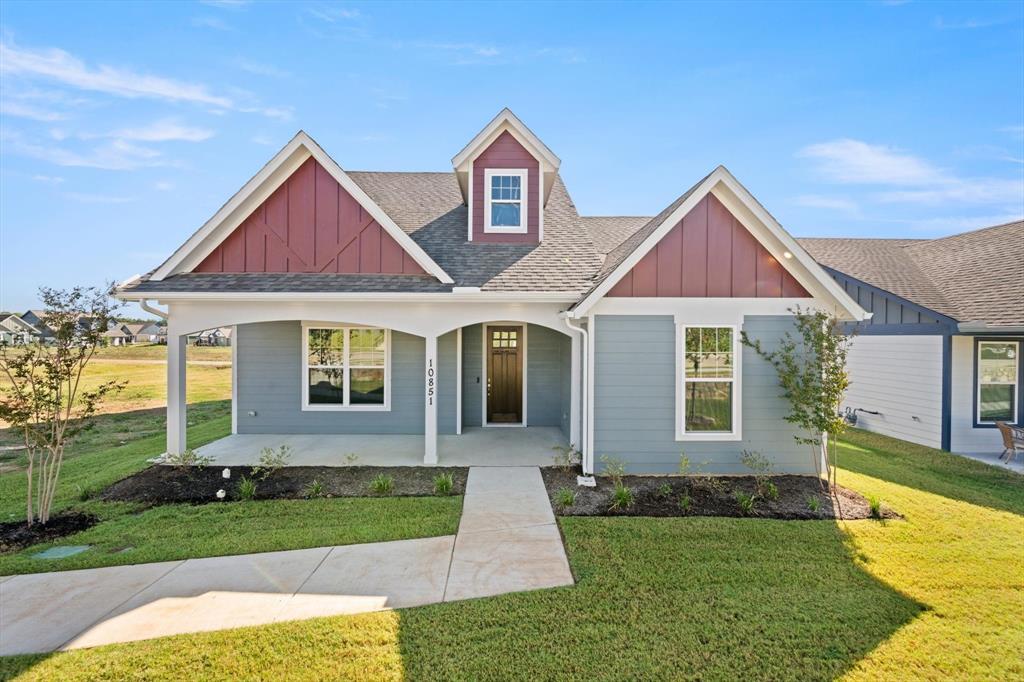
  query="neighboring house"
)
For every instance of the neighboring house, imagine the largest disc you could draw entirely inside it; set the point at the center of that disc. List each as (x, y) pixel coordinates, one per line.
(447, 302)
(37, 318)
(220, 336)
(15, 331)
(118, 334)
(940, 361)
(142, 332)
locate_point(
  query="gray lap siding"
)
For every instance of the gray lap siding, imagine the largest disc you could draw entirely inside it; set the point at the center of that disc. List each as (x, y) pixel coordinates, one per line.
(635, 400)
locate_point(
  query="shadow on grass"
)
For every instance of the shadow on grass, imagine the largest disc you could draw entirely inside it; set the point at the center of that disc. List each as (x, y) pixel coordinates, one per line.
(702, 598)
(930, 470)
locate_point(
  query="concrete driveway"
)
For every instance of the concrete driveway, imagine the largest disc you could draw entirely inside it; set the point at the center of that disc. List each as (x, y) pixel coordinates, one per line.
(507, 542)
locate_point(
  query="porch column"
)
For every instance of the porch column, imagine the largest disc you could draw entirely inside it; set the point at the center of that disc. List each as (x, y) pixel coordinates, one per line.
(430, 402)
(176, 401)
(574, 393)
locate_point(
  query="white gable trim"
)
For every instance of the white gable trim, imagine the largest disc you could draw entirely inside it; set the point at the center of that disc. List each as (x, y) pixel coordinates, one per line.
(261, 186)
(506, 120)
(766, 230)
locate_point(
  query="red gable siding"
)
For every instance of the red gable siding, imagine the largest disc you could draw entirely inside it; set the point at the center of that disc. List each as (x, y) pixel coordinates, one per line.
(310, 224)
(709, 254)
(506, 152)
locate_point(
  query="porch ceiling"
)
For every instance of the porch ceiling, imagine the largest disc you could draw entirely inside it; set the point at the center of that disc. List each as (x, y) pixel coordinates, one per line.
(511, 446)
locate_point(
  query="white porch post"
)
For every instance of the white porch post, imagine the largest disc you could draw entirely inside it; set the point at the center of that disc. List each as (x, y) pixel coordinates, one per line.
(574, 393)
(176, 402)
(430, 402)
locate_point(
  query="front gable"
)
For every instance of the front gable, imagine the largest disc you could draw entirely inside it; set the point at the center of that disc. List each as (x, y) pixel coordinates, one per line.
(708, 253)
(505, 153)
(310, 224)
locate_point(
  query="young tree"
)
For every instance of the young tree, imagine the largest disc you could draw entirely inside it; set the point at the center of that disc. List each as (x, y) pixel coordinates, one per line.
(45, 398)
(813, 376)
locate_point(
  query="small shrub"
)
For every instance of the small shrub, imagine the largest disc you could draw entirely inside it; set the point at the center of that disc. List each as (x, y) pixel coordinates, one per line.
(813, 503)
(771, 491)
(271, 460)
(684, 464)
(684, 503)
(246, 488)
(665, 490)
(443, 484)
(875, 505)
(351, 458)
(762, 468)
(565, 497)
(567, 456)
(622, 497)
(745, 501)
(188, 458)
(314, 489)
(614, 469)
(382, 484)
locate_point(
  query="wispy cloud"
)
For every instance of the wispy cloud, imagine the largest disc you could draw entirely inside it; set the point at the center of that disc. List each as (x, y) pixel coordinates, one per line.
(58, 65)
(165, 130)
(112, 155)
(1016, 132)
(261, 139)
(21, 110)
(48, 179)
(87, 198)
(216, 23)
(226, 4)
(332, 14)
(942, 24)
(260, 69)
(841, 204)
(901, 177)
(163, 185)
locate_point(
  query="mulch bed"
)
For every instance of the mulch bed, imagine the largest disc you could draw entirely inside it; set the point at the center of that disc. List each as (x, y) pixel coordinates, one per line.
(15, 535)
(709, 496)
(161, 484)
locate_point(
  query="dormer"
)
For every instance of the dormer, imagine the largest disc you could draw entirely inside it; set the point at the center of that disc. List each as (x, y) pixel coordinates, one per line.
(506, 174)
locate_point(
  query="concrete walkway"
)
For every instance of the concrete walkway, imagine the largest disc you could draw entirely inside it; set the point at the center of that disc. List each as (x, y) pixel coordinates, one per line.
(507, 542)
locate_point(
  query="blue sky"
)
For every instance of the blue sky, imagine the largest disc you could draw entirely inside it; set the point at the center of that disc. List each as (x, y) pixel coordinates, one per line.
(125, 126)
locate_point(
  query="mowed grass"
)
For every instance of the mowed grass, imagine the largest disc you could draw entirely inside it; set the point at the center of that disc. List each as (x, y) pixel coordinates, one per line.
(936, 596)
(154, 351)
(179, 531)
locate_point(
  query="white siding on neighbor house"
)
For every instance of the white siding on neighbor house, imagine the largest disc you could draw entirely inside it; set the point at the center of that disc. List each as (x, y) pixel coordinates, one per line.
(963, 436)
(901, 378)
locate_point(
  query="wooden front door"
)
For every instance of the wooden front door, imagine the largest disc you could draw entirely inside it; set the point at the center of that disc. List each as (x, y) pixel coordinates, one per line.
(504, 375)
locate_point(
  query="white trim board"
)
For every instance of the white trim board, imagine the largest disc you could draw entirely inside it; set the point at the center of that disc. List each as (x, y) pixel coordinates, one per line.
(769, 233)
(506, 120)
(483, 373)
(262, 185)
(524, 201)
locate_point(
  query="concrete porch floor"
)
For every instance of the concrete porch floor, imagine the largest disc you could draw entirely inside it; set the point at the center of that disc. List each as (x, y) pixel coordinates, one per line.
(492, 446)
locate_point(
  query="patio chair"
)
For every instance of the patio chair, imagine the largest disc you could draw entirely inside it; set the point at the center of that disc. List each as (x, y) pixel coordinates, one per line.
(1013, 441)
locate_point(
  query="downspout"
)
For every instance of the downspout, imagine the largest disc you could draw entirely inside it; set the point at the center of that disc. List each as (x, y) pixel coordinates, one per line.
(144, 304)
(585, 376)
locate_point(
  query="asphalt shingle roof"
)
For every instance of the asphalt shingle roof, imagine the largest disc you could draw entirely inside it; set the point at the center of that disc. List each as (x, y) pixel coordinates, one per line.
(253, 282)
(975, 276)
(607, 232)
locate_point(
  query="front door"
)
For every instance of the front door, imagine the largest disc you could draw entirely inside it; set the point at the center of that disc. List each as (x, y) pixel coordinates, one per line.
(504, 375)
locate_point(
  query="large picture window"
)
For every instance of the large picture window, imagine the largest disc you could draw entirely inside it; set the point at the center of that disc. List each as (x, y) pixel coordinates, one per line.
(345, 368)
(708, 395)
(505, 205)
(997, 379)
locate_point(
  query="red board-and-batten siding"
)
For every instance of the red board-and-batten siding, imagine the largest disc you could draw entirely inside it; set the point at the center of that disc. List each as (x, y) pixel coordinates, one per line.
(310, 224)
(506, 152)
(709, 254)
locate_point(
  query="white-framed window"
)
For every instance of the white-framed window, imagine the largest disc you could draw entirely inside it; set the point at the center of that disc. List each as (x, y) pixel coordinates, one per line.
(346, 368)
(505, 207)
(708, 382)
(997, 381)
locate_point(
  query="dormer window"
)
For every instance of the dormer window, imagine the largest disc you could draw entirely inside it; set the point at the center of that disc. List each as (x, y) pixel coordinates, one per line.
(505, 192)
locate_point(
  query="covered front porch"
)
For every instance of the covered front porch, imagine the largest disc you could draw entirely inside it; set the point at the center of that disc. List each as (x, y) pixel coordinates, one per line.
(476, 446)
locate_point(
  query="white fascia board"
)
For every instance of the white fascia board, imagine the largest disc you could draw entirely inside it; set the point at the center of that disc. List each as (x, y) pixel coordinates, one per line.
(261, 186)
(440, 297)
(518, 129)
(768, 232)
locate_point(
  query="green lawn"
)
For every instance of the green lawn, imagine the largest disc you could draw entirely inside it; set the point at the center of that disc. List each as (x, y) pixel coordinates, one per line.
(181, 531)
(936, 596)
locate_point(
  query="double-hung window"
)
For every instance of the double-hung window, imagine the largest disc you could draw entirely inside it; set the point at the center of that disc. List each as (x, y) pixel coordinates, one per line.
(505, 205)
(708, 398)
(998, 376)
(345, 368)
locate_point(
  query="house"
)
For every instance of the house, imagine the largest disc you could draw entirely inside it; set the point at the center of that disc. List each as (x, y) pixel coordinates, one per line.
(142, 332)
(443, 312)
(37, 318)
(15, 331)
(118, 334)
(221, 336)
(939, 361)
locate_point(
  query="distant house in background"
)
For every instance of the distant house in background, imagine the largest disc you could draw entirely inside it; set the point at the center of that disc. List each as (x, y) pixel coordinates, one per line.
(220, 336)
(37, 318)
(142, 332)
(118, 335)
(15, 331)
(939, 363)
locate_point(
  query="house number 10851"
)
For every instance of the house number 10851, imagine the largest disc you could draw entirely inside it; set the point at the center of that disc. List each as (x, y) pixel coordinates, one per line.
(430, 382)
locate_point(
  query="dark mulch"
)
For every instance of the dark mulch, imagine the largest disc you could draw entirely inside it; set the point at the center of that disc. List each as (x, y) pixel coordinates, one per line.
(709, 496)
(15, 535)
(160, 484)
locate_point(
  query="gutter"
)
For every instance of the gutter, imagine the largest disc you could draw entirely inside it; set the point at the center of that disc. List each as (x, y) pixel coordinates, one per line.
(969, 327)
